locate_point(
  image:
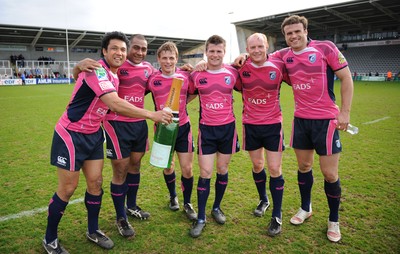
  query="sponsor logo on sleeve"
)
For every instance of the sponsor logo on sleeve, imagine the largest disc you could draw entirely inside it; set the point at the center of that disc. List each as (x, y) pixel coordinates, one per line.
(106, 85)
(341, 58)
(101, 74)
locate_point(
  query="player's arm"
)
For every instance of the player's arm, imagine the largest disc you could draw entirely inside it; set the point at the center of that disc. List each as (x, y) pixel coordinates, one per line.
(346, 92)
(187, 67)
(87, 65)
(123, 107)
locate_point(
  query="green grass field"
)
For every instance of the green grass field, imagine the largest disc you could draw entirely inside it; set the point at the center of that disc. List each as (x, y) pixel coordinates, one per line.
(369, 172)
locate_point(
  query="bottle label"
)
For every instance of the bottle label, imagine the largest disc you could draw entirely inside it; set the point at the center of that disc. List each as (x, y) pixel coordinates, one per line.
(159, 156)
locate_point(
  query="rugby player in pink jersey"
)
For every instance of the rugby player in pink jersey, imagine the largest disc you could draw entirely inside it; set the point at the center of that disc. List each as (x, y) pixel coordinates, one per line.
(127, 138)
(311, 66)
(217, 137)
(260, 82)
(159, 85)
(78, 140)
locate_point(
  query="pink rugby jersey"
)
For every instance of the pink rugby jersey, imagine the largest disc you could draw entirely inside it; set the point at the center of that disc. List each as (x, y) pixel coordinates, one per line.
(260, 87)
(85, 110)
(132, 87)
(159, 86)
(311, 73)
(215, 88)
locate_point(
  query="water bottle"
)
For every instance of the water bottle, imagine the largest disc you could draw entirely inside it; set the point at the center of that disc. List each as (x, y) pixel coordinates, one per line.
(163, 146)
(353, 130)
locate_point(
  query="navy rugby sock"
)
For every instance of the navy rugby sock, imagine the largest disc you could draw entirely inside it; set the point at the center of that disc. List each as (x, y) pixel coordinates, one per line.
(133, 181)
(170, 181)
(305, 181)
(203, 191)
(220, 186)
(93, 205)
(54, 215)
(333, 193)
(118, 193)
(260, 180)
(276, 186)
(187, 187)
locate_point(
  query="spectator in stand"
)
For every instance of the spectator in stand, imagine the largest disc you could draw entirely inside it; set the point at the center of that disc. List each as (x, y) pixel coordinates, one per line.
(377, 74)
(389, 76)
(23, 78)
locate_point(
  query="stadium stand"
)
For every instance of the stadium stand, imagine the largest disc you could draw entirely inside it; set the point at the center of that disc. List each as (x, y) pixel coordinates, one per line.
(358, 21)
(373, 59)
(366, 30)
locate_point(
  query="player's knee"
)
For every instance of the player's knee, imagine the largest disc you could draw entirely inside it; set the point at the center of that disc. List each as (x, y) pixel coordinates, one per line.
(275, 170)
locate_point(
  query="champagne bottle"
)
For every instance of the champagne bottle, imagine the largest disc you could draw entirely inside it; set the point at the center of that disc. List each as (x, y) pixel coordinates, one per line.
(162, 150)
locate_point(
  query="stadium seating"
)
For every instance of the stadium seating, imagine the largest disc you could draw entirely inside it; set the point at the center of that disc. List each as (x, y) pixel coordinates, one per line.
(373, 59)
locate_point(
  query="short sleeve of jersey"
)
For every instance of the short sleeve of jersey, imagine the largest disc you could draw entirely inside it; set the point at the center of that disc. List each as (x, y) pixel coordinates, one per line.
(99, 82)
(334, 57)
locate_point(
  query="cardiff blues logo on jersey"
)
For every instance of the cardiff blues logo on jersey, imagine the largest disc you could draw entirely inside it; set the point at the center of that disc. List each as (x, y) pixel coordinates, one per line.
(312, 58)
(272, 75)
(338, 144)
(101, 74)
(228, 80)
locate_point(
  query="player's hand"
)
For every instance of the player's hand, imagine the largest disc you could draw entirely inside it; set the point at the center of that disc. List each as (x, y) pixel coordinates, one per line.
(187, 67)
(240, 60)
(343, 121)
(88, 65)
(201, 66)
(162, 116)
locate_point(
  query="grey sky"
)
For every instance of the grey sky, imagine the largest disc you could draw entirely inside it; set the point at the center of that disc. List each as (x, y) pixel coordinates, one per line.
(175, 18)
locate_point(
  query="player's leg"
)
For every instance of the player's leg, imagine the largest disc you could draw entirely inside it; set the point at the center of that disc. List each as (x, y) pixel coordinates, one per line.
(276, 186)
(133, 182)
(305, 180)
(329, 167)
(118, 189)
(221, 182)
(186, 164)
(206, 165)
(67, 183)
(93, 169)
(260, 179)
(170, 181)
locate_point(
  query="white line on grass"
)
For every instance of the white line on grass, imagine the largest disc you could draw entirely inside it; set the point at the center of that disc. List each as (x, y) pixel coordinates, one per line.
(33, 212)
(378, 120)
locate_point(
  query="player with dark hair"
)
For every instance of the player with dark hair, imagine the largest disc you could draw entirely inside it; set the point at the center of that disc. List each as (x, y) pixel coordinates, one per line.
(217, 131)
(311, 66)
(159, 85)
(78, 140)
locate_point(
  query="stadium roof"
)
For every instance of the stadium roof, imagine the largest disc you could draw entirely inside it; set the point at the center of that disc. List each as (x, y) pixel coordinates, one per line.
(353, 17)
(56, 37)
